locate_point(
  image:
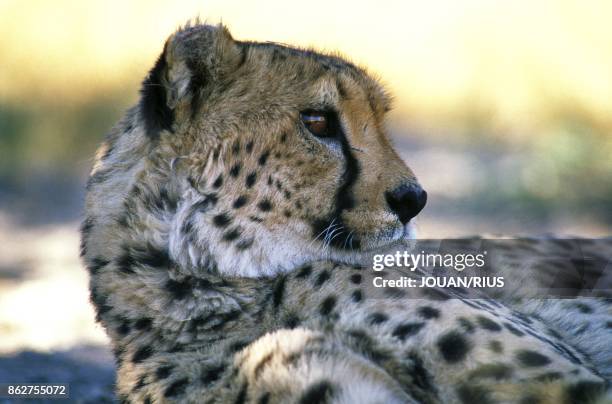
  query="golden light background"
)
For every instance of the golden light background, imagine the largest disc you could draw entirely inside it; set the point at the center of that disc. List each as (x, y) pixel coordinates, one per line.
(524, 62)
(503, 109)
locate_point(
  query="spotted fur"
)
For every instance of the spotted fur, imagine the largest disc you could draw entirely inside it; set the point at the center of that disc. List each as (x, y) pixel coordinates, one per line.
(224, 245)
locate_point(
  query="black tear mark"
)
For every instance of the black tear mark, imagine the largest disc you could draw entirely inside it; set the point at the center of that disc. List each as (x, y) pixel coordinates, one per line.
(344, 197)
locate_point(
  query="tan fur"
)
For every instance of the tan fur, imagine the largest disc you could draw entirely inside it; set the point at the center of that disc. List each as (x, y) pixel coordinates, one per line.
(208, 299)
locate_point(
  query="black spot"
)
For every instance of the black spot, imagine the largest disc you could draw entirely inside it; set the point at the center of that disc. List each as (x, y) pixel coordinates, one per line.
(327, 306)
(466, 324)
(584, 308)
(283, 138)
(321, 278)
(530, 359)
(357, 296)
(496, 346)
(100, 302)
(265, 205)
(235, 170)
(96, 265)
(154, 110)
(236, 148)
(287, 194)
(240, 201)
(221, 220)
(420, 376)
(356, 279)
(292, 321)
(250, 179)
(363, 343)
(143, 324)
(318, 393)
(488, 324)
(218, 182)
(304, 272)
(496, 371)
(377, 318)
(142, 354)
(453, 347)
(125, 262)
(406, 330)
(549, 376)
(286, 213)
(428, 312)
(124, 328)
(176, 388)
(585, 392)
(152, 257)
(279, 291)
(249, 146)
(231, 234)
(163, 372)
(179, 289)
(212, 374)
(242, 394)
(264, 399)
(141, 383)
(263, 158)
(514, 330)
(470, 394)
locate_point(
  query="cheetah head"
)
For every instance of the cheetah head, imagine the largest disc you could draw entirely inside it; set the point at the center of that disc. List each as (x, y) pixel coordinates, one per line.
(262, 157)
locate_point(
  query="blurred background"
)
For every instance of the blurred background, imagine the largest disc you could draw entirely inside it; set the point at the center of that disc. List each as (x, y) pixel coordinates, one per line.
(503, 109)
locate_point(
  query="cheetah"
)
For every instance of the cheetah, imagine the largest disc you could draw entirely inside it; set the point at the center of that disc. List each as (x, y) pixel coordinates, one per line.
(228, 218)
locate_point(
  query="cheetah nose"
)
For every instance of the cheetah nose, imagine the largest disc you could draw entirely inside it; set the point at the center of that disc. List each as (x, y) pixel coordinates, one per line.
(406, 201)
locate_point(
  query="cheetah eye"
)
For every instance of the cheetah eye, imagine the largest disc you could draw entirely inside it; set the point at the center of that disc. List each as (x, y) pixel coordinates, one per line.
(319, 123)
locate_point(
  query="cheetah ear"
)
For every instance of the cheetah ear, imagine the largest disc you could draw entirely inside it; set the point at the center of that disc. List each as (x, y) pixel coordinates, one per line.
(195, 58)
